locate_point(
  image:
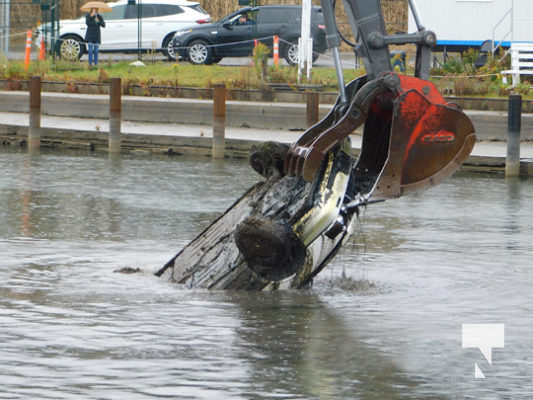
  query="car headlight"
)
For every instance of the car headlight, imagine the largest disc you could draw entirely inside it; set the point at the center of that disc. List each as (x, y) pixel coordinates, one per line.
(180, 33)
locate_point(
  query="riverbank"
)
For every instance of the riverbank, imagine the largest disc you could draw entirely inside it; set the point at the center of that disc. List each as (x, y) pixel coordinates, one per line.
(290, 116)
(281, 93)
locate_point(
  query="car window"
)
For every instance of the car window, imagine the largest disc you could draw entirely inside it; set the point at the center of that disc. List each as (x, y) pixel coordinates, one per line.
(250, 18)
(148, 11)
(198, 8)
(229, 18)
(277, 15)
(116, 13)
(167, 9)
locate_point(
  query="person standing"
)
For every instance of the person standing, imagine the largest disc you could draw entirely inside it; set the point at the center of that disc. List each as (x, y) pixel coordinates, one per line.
(93, 38)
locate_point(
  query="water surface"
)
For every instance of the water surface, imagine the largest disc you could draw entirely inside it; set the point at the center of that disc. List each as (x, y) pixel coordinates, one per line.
(383, 321)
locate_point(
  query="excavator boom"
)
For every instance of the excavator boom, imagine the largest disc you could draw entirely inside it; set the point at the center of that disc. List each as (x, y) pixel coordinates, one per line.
(289, 227)
(412, 139)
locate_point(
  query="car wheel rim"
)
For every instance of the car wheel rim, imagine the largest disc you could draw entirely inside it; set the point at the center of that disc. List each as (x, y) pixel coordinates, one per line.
(292, 53)
(198, 53)
(170, 50)
(70, 49)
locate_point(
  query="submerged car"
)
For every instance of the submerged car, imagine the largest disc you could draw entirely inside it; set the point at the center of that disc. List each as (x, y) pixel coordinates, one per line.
(234, 35)
(160, 20)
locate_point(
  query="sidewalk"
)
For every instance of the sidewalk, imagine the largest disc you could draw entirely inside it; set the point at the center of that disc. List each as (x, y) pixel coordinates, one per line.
(275, 116)
(159, 129)
(485, 153)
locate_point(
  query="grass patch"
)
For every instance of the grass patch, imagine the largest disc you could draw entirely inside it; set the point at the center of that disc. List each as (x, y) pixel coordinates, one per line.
(455, 77)
(167, 74)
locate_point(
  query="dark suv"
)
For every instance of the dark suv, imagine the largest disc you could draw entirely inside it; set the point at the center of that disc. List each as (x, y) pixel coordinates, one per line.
(234, 35)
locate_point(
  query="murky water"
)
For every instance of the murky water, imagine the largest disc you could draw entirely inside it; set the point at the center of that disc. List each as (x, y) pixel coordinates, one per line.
(418, 269)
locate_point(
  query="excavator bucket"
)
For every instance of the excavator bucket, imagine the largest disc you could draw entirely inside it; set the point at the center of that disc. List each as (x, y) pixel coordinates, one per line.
(429, 139)
(412, 137)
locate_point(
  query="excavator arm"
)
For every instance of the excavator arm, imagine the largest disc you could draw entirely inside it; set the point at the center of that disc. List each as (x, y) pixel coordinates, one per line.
(285, 230)
(412, 139)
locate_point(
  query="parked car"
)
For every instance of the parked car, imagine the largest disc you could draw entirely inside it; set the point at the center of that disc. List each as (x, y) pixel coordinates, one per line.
(160, 20)
(233, 35)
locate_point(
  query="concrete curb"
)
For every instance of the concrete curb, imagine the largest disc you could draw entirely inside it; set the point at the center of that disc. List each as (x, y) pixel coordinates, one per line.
(489, 125)
(173, 145)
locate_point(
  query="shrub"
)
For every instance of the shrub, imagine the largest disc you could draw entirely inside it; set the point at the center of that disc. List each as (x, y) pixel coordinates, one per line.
(260, 57)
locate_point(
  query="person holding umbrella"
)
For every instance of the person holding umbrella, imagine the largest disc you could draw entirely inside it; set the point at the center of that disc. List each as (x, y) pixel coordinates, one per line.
(93, 37)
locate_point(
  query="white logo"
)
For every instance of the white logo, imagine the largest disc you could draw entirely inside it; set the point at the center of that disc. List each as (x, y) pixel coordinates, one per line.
(484, 337)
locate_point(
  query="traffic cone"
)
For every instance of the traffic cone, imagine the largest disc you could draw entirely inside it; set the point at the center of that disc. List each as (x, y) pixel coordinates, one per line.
(28, 50)
(276, 50)
(42, 50)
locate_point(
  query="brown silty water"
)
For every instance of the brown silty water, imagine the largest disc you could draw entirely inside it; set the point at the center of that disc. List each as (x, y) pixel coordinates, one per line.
(384, 320)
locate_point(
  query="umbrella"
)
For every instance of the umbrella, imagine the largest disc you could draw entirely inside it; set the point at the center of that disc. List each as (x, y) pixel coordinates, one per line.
(100, 5)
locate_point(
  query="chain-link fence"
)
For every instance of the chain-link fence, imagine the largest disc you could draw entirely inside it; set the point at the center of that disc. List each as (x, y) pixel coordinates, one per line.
(19, 16)
(16, 18)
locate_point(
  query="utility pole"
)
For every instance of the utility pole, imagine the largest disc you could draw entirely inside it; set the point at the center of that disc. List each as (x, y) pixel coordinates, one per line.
(139, 29)
(4, 26)
(305, 43)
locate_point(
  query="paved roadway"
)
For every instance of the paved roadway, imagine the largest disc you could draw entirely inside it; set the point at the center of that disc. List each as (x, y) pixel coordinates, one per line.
(324, 61)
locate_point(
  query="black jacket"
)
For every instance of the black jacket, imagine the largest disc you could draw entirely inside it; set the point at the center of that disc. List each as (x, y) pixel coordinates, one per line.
(93, 28)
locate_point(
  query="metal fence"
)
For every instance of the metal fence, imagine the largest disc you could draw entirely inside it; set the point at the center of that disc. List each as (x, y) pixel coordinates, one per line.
(18, 17)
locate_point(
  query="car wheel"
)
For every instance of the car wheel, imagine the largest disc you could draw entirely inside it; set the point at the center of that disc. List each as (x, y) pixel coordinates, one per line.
(71, 48)
(168, 48)
(291, 54)
(199, 52)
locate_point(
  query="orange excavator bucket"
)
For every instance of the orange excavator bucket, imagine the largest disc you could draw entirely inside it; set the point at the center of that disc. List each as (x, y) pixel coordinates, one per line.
(412, 137)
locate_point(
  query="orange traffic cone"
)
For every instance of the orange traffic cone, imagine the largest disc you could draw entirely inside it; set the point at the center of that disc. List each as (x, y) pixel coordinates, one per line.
(276, 50)
(28, 50)
(42, 50)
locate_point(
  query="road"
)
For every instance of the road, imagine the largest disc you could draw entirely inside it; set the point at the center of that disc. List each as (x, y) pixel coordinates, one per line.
(324, 61)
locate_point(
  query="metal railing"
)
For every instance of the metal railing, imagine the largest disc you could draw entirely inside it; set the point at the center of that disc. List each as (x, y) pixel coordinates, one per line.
(510, 13)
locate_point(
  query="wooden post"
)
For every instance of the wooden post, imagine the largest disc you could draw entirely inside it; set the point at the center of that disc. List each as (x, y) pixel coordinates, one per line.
(115, 115)
(34, 131)
(514, 116)
(312, 108)
(219, 120)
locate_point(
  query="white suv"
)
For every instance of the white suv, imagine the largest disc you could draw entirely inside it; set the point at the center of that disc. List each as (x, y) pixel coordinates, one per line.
(160, 19)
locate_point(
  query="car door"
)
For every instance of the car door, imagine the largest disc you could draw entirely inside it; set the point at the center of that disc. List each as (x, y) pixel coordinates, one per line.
(126, 31)
(113, 34)
(235, 39)
(151, 28)
(272, 21)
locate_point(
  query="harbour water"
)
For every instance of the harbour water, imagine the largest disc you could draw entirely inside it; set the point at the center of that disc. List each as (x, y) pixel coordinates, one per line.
(383, 321)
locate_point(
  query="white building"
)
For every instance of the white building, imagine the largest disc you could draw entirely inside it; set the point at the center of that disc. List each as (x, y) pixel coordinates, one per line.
(460, 24)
